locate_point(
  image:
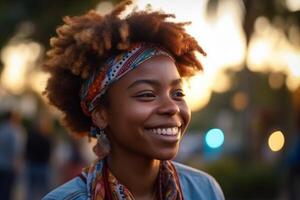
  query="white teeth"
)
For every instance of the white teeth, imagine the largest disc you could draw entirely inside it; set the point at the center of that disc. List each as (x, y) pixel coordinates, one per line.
(175, 129)
(170, 131)
(166, 131)
(159, 131)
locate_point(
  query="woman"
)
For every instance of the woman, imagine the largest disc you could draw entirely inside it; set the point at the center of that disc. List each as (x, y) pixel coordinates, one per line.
(120, 80)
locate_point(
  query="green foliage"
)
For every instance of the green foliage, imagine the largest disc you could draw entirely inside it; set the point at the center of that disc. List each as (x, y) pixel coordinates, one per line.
(261, 97)
(44, 15)
(245, 180)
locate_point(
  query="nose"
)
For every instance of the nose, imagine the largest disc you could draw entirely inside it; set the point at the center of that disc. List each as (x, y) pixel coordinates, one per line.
(168, 106)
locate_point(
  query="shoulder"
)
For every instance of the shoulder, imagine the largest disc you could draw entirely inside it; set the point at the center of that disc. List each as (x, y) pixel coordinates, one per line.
(196, 184)
(74, 189)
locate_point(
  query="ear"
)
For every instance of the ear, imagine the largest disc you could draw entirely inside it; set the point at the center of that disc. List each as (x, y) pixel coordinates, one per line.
(99, 117)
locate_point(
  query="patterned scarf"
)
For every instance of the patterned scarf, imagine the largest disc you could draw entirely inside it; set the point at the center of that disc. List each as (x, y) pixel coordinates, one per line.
(103, 185)
(114, 69)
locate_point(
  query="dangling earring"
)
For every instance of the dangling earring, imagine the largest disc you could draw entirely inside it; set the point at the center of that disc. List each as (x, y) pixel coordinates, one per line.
(102, 148)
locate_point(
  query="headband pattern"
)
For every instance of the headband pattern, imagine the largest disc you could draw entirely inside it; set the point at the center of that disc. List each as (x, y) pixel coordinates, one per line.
(112, 70)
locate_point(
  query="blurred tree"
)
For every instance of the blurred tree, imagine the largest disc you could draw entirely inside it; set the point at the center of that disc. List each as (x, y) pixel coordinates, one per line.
(42, 15)
(257, 8)
(273, 10)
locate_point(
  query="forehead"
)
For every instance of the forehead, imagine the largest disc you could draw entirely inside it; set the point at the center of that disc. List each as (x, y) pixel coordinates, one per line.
(160, 69)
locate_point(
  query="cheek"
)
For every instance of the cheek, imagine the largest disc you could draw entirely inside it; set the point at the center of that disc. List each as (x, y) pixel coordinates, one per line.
(129, 113)
(186, 113)
(140, 110)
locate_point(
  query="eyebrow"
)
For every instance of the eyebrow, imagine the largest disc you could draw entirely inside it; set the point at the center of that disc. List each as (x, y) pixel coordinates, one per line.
(153, 82)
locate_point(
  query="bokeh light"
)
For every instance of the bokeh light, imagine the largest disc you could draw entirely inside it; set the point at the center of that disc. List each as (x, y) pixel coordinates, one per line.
(276, 141)
(197, 92)
(271, 52)
(104, 7)
(19, 59)
(207, 33)
(276, 80)
(214, 138)
(293, 5)
(240, 101)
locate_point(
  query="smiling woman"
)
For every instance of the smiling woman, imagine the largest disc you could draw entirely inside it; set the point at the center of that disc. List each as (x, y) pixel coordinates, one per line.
(120, 80)
(152, 112)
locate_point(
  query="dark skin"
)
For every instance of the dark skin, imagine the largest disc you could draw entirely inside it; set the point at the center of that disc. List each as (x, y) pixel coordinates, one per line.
(145, 120)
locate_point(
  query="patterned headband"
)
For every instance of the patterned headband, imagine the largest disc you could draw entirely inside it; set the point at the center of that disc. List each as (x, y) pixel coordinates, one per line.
(112, 70)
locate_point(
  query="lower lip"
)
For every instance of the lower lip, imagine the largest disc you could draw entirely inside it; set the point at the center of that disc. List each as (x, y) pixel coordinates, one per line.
(166, 138)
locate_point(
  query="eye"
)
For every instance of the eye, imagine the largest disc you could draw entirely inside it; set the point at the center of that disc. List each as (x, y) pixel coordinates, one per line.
(178, 94)
(145, 96)
(148, 94)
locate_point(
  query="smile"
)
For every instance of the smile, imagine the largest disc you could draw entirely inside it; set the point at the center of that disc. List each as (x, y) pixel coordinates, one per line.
(171, 131)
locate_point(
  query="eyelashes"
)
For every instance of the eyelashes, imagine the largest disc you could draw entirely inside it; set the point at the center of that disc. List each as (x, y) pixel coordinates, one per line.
(150, 95)
(179, 93)
(146, 95)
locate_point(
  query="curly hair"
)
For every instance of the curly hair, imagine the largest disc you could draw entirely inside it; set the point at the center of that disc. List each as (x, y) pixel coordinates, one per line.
(83, 42)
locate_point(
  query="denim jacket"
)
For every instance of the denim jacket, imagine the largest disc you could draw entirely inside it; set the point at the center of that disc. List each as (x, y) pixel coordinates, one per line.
(195, 185)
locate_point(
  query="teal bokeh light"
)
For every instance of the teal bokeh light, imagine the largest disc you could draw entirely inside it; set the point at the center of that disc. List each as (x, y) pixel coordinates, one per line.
(214, 138)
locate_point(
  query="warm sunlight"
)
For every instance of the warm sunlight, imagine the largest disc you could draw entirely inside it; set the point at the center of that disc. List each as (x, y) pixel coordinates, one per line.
(293, 5)
(37, 81)
(198, 93)
(18, 60)
(222, 39)
(270, 51)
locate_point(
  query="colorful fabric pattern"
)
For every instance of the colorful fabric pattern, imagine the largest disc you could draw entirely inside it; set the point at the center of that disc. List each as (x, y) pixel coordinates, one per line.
(103, 185)
(112, 70)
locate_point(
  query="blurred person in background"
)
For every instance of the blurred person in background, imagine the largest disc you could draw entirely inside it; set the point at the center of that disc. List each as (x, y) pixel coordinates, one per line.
(120, 81)
(11, 152)
(75, 161)
(38, 153)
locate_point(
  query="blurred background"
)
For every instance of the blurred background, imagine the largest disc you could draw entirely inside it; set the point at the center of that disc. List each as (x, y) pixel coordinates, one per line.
(245, 127)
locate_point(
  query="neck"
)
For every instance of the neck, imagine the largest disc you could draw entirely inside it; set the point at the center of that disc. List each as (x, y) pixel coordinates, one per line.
(137, 173)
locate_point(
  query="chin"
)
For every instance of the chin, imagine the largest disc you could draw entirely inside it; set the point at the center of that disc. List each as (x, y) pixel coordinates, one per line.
(167, 154)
